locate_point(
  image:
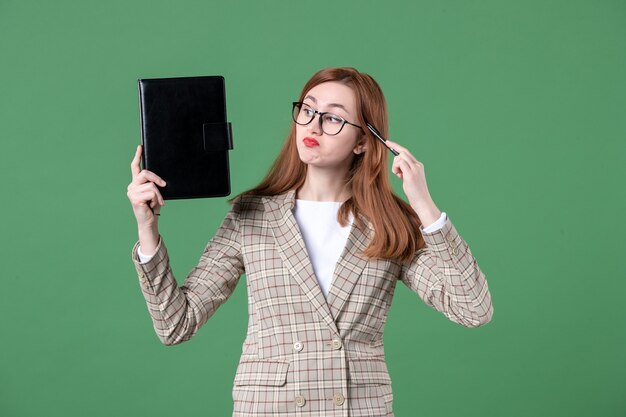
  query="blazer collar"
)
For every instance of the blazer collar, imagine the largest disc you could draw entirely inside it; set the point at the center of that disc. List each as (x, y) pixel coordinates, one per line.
(292, 250)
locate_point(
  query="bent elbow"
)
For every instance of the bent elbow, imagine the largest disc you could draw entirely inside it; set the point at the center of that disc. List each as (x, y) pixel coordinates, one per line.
(483, 317)
(171, 337)
(170, 340)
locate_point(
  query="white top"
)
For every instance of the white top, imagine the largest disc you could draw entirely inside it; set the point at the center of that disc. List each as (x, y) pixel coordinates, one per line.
(323, 236)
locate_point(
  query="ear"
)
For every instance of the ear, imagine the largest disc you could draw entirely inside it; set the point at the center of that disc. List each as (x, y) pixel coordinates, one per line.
(361, 146)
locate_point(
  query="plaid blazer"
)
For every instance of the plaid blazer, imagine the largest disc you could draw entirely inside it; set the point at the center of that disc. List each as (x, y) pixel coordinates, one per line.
(305, 354)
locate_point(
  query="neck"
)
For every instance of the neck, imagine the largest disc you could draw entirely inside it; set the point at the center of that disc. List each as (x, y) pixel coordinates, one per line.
(324, 185)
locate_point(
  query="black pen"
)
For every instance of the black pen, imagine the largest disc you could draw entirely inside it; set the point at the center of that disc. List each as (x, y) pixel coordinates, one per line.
(380, 137)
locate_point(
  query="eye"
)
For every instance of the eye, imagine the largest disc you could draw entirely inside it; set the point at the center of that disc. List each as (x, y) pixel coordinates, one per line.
(331, 118)
(305, 109)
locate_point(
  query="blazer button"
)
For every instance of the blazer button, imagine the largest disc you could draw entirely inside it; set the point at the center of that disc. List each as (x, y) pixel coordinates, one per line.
(300, 400)
(454, 251)
(336, 344)
(298, 346)
(338, 399)
(450, 238)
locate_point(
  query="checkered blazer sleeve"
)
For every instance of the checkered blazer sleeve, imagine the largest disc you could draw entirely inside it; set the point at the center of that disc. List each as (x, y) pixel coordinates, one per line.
(178, 312)
(446, 276)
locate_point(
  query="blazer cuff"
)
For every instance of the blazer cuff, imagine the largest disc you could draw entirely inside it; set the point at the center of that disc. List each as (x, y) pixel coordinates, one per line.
(438, 224)
(443, 240)
(156, 266)
(142, 257)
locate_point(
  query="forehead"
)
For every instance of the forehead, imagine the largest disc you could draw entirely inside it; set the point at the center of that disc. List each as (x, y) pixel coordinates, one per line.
(328, 94)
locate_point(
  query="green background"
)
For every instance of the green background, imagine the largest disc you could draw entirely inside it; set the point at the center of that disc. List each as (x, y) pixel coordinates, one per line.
(516, 109)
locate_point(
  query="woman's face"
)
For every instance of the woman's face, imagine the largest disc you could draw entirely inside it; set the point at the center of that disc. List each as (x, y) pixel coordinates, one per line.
(319, 149)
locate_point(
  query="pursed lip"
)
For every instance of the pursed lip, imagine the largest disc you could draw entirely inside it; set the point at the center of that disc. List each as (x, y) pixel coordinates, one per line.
(310, 142)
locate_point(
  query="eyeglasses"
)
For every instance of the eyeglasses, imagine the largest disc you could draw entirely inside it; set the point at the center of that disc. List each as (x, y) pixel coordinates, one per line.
(330, 123)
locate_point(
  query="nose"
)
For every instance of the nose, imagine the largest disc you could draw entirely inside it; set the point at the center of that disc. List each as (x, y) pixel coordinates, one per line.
(316, 125)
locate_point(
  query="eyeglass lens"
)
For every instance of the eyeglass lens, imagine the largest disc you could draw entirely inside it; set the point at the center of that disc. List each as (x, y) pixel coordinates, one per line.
(331, 123)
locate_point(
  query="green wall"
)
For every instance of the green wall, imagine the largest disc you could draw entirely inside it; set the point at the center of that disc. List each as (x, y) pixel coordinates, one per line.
(516, 109)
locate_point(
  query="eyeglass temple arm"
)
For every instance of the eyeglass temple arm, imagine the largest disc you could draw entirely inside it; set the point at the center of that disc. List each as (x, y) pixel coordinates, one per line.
(380, 137)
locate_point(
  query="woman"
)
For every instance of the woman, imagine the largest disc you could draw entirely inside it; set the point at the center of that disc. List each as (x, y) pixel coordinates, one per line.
(323, 241)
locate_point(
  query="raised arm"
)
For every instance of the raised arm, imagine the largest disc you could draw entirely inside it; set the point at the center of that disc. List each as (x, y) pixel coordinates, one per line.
(178, 312)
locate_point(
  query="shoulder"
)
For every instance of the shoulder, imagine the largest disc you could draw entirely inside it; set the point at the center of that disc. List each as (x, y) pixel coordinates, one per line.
(244, 202)
(253, 205)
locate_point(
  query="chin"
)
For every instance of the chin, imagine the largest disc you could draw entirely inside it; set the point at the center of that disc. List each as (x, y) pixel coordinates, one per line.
(306, 156)
(308, 160)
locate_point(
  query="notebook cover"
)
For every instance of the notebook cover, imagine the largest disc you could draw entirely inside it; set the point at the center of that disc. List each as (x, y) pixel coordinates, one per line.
(185, 135)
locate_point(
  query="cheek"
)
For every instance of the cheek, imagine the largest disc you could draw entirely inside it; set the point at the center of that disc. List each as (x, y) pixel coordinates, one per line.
(306, 154)
(347, 144)
(301, 133)
(345, 148)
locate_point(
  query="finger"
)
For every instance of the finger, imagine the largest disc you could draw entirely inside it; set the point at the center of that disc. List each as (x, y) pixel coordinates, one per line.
(409, 167)
(158, 195)
(396, 146)
(414, 163)
(145, 176)
(147, 198)
(402, 150)
(145, 193)
(409, 159)
(405, 168)
(395, 168)
(157, 199)
(154, 202)
(393, 146)
(143, 198)
(134, 165)
(149, 192)
(146, 187)
(403, 158)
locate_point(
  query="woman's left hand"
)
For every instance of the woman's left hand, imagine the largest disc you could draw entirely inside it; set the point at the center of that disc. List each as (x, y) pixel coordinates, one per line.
(411, 172)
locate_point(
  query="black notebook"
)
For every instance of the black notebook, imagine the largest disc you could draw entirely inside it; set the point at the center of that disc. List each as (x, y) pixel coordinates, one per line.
(185, 135)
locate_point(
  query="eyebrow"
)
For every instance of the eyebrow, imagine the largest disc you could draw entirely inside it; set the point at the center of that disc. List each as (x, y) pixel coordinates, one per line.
(330, 105)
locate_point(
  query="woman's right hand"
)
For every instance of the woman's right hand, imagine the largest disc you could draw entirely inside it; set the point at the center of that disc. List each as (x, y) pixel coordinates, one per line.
(143, 193)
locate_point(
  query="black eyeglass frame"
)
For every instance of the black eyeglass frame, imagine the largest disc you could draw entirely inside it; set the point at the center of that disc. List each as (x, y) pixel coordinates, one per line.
(321, 113)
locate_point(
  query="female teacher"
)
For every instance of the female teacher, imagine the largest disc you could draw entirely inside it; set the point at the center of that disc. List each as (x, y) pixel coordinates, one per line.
(323, 241)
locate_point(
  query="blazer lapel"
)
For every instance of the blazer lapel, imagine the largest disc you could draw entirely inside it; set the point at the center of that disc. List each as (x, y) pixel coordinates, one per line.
(349, 266)
(293, 252)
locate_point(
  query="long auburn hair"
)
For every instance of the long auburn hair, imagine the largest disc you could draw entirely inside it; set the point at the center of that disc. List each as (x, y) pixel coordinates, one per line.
(395, 223)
